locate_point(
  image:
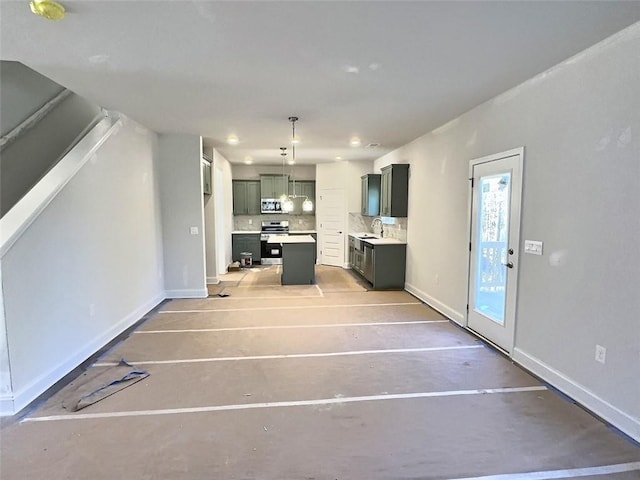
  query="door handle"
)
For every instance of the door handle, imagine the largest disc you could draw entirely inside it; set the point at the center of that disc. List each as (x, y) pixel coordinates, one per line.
(340, 233)
(508, 264)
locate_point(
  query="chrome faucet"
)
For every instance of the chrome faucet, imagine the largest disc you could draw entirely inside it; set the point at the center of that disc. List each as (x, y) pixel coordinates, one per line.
(373, 224)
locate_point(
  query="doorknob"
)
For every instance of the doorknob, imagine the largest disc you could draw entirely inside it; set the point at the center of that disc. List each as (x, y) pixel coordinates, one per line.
(340, 232)
(508, 265)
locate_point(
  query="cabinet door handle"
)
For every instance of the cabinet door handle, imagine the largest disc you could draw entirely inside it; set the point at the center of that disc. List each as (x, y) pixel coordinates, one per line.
(508, 264)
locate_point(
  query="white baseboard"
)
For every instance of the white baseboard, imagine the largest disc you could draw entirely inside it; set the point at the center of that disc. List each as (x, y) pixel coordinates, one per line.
(38, 386)
(443, 308)
(213, 280)
(187, 293)
(621, 420)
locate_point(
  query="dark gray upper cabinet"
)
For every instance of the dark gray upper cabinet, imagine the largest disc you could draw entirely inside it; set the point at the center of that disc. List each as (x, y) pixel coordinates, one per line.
(370, 203)
(394, 190)
(303, 189)
(273, 186)
(246, 197)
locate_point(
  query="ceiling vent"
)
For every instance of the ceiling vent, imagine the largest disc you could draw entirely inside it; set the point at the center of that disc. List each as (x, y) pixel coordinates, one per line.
(373, 145)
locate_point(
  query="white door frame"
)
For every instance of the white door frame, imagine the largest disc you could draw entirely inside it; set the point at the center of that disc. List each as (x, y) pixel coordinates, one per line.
(514, 240)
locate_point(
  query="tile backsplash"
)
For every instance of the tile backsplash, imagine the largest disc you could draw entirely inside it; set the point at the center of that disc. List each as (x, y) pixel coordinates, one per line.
(394, 227)
(296, 222)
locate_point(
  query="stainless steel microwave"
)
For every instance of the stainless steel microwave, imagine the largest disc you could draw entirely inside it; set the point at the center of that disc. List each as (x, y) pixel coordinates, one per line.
(270, 205)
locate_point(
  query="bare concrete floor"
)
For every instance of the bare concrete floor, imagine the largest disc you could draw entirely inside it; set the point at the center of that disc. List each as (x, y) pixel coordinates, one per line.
(271, 383)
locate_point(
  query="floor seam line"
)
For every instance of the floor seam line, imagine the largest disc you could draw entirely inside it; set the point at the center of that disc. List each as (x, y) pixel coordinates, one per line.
(297, 403)
(282, 327)
(294, 355)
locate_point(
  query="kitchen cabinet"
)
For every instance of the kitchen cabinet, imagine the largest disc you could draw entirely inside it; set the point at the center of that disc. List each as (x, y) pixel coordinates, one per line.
(245, 242)
(298, 260)
(303, 189)
(382, 265)
(356, 255)
(273, 186)
(246, 197)
(394, 190)
(370, 201)
(315, 237)
(206, 177)
(388, 268)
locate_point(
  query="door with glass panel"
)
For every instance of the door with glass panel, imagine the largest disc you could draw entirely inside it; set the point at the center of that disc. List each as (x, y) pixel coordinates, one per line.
(495, 233)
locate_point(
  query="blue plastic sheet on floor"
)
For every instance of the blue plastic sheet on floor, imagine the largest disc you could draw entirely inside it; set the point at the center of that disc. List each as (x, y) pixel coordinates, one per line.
(90, 389)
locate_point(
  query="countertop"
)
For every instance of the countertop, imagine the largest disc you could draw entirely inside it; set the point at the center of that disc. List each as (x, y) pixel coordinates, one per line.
(291, 239)
(377, 240)
(291, 232)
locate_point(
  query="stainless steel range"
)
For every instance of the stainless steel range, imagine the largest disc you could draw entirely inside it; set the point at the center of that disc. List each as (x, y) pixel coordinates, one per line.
(271, 253)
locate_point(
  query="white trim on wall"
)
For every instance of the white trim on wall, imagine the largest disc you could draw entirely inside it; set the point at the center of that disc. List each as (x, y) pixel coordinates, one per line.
(602, 408)
(444, 309)
(39, 385)
(187, 293)
(17, 220)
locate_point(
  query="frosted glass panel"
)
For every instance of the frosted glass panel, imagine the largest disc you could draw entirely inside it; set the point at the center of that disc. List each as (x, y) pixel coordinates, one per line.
(492, 241)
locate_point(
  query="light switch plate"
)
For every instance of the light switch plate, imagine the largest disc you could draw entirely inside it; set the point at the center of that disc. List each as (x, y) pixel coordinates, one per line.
(193, 230)
(533, 247)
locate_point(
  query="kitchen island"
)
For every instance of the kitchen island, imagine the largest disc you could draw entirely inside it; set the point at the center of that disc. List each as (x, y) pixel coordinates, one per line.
(298, 258)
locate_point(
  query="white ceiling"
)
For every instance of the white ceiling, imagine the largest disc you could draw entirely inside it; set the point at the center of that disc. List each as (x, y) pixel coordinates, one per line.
(218, 68)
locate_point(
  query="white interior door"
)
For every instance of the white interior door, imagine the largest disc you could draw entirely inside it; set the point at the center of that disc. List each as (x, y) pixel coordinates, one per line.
(330, 218)
(495, 238)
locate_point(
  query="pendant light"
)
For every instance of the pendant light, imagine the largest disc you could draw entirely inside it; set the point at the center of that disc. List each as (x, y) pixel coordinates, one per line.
(284, 197)
(307, 205)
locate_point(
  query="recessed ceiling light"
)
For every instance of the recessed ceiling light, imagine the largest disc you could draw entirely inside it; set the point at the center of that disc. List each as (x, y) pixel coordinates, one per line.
(351, 69)
(295, 140)
(248, 160)
(291, 162)
(233, 139)
(338, 158)
(354, 142)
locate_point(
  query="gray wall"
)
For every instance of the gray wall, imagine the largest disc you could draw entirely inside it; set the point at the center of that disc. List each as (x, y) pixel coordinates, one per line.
(26, 159)
(182, 208)
(22, 92)
(253, 172)
(98, 240)
(579, 123)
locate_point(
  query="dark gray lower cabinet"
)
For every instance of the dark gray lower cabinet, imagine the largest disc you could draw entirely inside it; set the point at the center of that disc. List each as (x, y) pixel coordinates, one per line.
(298, 263)
(245, 242)
(381, 265)
(315, 245)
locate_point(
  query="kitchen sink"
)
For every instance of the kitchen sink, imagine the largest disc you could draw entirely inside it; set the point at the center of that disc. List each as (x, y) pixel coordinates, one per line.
(367, 237)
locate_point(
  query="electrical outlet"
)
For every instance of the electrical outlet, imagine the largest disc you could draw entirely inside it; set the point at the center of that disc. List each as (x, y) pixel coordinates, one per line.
(299, 221)
(193, 230)
(601, 354)
(251, 221)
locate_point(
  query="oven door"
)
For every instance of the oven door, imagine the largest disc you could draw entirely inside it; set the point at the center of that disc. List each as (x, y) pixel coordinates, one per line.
(270, 253)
